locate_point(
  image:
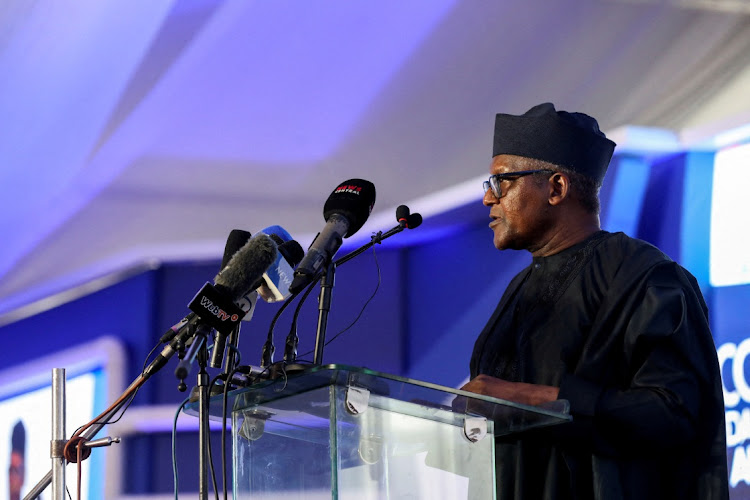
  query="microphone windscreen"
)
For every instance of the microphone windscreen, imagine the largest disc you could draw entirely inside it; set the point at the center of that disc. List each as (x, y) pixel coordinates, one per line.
(413, 220)
(236, 240)
(402, 212)
(247, 266)
(292, 252)
(277, 233)
(352, 199)
(289, 249)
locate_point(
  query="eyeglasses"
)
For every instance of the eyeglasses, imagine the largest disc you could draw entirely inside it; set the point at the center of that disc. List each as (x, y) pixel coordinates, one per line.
(494, 182)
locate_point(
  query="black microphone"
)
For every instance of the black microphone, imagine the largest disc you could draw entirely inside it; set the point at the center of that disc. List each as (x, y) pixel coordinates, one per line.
(243, 272)
(216, 305)
(407, 219)
(402, 212)
(235, 241)
(278, 277)
(273, 286)
(345, 211)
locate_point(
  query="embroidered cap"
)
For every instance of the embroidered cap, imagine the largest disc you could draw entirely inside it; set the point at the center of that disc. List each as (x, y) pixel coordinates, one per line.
(571, 140)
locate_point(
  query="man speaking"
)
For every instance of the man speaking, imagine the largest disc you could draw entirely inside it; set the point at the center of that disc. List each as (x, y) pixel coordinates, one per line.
(600, 319)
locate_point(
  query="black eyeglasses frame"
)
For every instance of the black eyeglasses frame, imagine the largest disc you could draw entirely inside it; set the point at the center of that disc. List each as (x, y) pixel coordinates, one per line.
(494, 180)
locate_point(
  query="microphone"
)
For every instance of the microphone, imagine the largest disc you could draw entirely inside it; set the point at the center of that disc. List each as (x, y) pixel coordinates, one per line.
(345, 211)
(406, 219)
(235, 241)
(220, 306)
(278, 277)
(272, 287)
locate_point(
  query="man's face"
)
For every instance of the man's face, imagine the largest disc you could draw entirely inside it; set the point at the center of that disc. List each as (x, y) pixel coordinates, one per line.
(521, 216)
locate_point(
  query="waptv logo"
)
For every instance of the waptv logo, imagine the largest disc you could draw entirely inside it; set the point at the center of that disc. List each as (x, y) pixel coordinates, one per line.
(217, 311)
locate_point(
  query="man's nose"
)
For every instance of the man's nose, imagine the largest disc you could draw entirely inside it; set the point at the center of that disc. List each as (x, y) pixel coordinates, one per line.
(489, 198)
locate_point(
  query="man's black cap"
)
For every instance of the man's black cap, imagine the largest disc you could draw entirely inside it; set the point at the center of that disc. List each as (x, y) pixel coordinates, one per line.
(571, 140)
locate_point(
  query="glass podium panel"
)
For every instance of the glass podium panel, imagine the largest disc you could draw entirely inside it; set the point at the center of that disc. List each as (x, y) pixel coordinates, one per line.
(339, 432)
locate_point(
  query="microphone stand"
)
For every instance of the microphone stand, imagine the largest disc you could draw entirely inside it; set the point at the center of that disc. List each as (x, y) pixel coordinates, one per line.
(326, 289)
(324, 307)
(166, 354)
(198, 351)
(203, 426)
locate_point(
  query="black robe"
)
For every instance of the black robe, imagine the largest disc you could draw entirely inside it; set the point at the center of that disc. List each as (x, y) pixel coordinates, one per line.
(623, 331)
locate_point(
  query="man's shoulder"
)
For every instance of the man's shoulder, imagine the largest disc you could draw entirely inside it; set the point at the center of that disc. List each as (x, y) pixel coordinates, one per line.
(625, 248)
(633, 257)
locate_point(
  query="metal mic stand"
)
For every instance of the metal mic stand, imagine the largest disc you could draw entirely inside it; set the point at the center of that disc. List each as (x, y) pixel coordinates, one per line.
(406, 221)
(324, 307)
(203, 427)
(166, 354)
(326, 289)
(198, 351)
(58, 434)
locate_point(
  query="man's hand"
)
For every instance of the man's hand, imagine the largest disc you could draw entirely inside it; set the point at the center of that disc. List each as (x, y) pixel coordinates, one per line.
(519, 392)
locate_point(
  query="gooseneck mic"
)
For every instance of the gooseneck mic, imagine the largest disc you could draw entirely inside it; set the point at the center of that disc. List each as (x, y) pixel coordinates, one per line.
(345, 212)
(219, 305)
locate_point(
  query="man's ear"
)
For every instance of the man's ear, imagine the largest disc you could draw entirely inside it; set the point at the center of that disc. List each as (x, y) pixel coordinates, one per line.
(559, 188)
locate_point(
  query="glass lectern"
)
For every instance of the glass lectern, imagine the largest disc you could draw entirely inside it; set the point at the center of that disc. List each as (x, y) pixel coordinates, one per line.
(340, 432)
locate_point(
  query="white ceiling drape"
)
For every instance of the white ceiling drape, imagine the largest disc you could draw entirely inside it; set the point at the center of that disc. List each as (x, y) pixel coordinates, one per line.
(151, 128)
